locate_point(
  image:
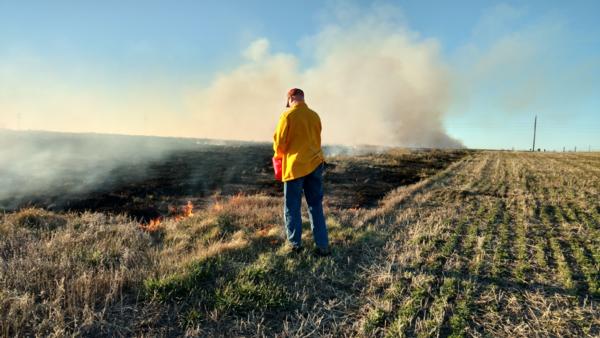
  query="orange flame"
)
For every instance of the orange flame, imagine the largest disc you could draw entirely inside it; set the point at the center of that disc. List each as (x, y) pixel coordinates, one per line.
(188, 209)
(155, 224)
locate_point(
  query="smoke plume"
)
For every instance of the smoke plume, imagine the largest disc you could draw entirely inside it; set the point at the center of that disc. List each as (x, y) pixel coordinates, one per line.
(371, 80)
(38, 164)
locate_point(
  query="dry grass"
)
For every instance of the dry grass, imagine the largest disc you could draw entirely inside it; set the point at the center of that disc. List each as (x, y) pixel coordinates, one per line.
(72, 278)
(499, 244)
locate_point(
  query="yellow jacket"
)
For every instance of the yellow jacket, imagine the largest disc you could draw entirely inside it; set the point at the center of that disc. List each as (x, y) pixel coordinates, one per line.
(297, 141)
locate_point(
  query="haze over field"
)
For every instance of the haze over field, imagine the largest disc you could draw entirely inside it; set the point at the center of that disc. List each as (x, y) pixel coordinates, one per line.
(462, 74)
(38, 163)
(381, 74)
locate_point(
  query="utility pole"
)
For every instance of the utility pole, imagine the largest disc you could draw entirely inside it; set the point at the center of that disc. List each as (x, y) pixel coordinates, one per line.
(534, 128)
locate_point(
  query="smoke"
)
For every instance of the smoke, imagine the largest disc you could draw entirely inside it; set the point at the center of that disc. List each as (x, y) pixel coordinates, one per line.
(371, 80)
(49, 165)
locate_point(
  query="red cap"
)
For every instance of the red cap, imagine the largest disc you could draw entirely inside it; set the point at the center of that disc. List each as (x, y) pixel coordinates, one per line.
(293, 92)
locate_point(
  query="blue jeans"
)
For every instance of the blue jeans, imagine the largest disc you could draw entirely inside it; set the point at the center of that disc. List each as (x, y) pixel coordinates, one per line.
(312, 184)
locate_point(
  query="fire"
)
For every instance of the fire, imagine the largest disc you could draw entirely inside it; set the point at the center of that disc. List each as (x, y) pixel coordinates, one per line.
(153, 225)
(188, 209)
(156, 223)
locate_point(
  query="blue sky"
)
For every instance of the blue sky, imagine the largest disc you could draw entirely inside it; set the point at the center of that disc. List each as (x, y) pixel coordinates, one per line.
(509, 60)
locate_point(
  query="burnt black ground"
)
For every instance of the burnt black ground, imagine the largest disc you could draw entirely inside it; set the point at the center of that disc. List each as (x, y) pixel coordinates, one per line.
(146, 186)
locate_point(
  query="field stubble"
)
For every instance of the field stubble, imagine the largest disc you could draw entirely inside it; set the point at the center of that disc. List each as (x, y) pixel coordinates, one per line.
(497, 244)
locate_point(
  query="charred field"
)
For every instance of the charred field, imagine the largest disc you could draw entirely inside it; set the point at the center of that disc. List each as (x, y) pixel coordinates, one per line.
(202, 171)
(446, 243)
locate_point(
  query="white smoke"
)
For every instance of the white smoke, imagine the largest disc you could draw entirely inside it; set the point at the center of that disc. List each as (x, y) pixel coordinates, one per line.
(371, 80)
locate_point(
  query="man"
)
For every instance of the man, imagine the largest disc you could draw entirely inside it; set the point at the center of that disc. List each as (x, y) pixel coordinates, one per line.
(297, 141)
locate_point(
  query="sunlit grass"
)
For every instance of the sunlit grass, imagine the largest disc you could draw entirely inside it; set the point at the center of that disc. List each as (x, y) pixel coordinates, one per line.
(498, 245)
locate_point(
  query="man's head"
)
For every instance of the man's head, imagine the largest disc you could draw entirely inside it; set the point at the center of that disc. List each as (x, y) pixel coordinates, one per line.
(294, 96)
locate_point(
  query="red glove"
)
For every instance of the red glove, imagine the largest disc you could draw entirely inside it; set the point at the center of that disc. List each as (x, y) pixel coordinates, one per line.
(277, 167)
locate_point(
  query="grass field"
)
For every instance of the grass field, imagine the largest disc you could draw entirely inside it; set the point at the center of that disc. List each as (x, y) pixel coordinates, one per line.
(496, 244)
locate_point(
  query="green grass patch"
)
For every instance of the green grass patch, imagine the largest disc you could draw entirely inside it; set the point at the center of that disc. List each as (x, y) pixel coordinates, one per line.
(196, 282)
(376, 318)
(246, 293)
(589, 271)
(409, 309)
(563, 268)
(502, 255)
(459, 320)
(432, 324)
